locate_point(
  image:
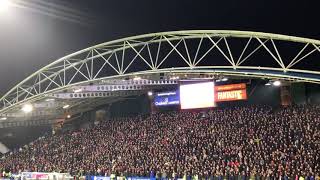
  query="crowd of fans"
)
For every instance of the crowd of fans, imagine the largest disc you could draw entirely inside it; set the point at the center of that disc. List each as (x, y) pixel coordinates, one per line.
(230, 142)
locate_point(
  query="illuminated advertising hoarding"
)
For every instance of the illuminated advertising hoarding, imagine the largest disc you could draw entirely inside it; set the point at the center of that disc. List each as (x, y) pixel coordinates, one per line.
(44, 175)
(230, 87)
(100, 178)
(232, 95)
(231, 92)
(167, 98)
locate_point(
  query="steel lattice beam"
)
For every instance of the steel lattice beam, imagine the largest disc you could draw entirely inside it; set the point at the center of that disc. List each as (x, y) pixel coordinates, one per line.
(152, 53)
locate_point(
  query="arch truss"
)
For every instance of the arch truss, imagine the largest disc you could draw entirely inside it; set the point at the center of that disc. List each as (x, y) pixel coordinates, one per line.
(238, 53)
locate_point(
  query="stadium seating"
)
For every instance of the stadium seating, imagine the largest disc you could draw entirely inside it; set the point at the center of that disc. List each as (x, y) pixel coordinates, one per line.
(252, 142)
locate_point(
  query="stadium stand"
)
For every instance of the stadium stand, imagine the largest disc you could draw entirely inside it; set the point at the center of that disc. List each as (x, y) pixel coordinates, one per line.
(15, 136)
(256, 142)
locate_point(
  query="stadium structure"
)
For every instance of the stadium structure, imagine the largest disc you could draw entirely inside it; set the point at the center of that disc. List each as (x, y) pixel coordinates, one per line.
(110, 71)
(87, 83)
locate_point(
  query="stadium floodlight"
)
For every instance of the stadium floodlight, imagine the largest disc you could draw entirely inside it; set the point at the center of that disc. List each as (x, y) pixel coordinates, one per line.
(4, 5)
(68, 116)
(27, 108)
(77, 90)
(150, 93)
(268, 84)
(66, 106)
(224, 79)
(3, 118)
(136, 78)
(174, 77)
(277, 83)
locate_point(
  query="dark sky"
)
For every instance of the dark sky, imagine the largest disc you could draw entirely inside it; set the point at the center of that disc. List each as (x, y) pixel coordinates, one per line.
(37, 32)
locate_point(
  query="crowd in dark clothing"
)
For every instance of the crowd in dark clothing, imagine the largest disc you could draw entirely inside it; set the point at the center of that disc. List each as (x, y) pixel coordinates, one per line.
(255, 141)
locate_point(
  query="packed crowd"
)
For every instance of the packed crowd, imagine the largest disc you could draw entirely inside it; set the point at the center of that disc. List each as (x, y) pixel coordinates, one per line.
(226, 142)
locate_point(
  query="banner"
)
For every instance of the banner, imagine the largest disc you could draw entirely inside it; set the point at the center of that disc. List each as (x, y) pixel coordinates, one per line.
(100, 178)
(140, 178)
(230, 87)
(46, 176)
(231, 95)
(119, 178)
(35, 175)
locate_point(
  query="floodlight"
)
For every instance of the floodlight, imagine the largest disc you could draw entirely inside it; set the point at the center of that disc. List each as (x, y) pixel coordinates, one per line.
(4, 5)
(27, 108)
(66, 106)
(77, 90)
(224, 79)
(276, 83)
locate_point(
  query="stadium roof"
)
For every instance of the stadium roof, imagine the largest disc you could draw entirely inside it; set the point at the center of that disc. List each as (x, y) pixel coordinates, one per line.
(151, 57)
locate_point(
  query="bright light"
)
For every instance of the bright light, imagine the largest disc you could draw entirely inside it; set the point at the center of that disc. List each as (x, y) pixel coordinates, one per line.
(4, 5)
(268, 84)
(66, 106)
(224, 79)
(150, 93)
(27, 108)
(174, 78)
(3, 118)
(51, 99)
(136, 78)
(77, 90)
(68, 116)
(276, 83)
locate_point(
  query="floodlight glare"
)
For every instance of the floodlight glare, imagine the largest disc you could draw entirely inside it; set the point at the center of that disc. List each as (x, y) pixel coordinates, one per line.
(268, 84)
(276, 83)
(150, 93)
(3, 118)
(27, 108)
(77, 90)
(66, 106)
(4, 5)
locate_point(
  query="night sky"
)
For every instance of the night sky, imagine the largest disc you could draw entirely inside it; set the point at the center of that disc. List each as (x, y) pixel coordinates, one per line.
(37, 32)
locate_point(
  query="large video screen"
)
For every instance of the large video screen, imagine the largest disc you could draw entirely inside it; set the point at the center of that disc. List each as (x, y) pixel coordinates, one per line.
(200, 95)
(166, 98)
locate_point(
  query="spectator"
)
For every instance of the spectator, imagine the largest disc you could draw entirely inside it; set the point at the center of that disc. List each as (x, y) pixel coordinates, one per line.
(251, 142)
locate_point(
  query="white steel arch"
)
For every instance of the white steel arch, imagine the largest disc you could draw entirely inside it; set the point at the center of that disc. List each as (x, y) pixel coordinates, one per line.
(191, 51)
